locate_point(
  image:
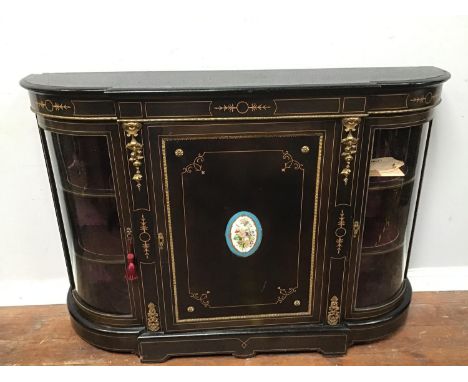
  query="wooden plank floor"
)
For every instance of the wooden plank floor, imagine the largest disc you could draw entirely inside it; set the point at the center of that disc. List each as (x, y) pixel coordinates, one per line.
(436, 333)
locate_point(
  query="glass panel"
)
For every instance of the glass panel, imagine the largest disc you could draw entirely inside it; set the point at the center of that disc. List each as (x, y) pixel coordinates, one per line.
(95, 224)
(380, 277)
(395, 168)
(394, 156)
(83, 176)
(102, 285)
(386, 217)
(84, 162)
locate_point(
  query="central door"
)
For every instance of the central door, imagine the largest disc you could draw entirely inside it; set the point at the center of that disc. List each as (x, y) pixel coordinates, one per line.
(241, 210)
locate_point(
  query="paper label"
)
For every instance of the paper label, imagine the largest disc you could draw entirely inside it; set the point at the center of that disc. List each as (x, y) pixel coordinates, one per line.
(386, 166)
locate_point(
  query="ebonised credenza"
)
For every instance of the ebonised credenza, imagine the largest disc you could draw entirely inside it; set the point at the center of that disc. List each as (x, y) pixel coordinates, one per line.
(236, 212)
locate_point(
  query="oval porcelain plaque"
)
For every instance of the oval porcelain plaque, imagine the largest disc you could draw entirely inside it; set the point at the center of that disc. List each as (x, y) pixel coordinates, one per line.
(243, 234)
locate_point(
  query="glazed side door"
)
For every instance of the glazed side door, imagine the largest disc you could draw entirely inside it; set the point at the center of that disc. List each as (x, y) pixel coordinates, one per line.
(239, 206)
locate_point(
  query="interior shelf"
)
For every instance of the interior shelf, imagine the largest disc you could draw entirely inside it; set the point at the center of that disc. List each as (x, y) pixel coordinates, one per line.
(391, 182)
(88, 192)
(100, 243)
(370, 251)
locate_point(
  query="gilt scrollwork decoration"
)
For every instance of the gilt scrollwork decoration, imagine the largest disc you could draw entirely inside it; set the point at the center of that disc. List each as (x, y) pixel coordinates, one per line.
(132, 130)
(152, 318)
(291, 162)
(356, 228)
(350, 125)
(202, 298)
(196, 165)
(284, 293)
(161, 240)
(333, 316)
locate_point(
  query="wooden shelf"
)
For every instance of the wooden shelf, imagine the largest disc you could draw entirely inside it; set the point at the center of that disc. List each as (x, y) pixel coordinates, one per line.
(389, 183)
(88, 192)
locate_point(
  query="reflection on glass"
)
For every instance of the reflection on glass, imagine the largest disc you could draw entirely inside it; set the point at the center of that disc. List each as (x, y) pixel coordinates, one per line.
(95, 224)
(386, 216)
(380, 277)
(102, 285)
(84, 162)
(394, 174)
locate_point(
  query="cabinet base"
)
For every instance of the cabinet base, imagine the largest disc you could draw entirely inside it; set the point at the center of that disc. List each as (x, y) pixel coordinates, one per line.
(124, 339)
(242, 343)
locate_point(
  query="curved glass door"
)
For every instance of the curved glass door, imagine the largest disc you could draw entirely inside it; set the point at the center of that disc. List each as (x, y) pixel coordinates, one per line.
(394, 175)
(85, 187)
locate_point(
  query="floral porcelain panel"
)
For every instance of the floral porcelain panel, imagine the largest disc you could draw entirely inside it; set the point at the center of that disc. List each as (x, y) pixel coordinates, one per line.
(243, 234)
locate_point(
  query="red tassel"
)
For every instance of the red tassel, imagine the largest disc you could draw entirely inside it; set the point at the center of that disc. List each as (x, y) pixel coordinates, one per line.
(131, 270)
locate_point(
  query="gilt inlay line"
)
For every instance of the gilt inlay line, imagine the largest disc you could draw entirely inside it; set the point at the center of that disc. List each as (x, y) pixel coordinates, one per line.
(242, 107)
(144, 236)
(426, 99)
(51, 106)
(349, 143)
(340, 232)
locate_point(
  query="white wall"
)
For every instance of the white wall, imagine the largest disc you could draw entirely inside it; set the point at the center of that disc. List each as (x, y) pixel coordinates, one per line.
(48, 36)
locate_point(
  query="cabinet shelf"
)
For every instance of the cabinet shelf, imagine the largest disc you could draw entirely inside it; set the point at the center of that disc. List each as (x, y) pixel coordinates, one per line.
(388, 247)
(97, 244)
(395, 182)
(88, 192)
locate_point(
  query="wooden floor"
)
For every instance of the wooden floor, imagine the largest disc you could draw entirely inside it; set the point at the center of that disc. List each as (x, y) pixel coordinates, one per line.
(436, 333)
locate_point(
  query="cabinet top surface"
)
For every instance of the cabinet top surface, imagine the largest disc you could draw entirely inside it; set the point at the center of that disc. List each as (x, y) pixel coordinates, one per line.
(224, 80)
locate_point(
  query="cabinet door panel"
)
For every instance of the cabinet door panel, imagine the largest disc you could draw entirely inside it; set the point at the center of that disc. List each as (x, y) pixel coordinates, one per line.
(242, 212)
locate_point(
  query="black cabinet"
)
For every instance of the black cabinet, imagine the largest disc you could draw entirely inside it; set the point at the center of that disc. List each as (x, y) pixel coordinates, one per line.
(236, 212)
